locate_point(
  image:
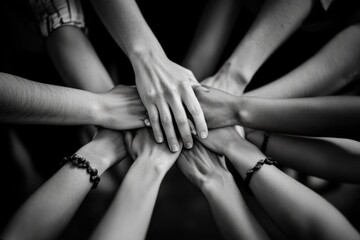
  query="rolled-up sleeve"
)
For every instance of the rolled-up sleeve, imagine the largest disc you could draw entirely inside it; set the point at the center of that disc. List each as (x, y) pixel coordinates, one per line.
(52, 14)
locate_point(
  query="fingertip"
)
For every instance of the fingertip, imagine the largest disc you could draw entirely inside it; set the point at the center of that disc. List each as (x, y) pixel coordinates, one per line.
(147, 122)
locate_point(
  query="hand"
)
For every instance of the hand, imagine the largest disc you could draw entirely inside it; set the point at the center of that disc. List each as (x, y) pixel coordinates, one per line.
(105, 150)
(201, 166)
(121, 109)
(219, 140)
(227, 80)
(227, 141)
(141, 145)
(164, 87)
(220, 108)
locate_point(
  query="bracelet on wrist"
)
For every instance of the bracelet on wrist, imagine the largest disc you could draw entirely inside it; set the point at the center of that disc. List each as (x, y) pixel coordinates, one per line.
(258, 165)
(82, 163)
(265, 142)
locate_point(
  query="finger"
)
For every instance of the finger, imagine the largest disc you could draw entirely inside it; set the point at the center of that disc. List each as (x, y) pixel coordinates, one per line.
(147, 122)
(154, 122)
(192, 127)
(167, 124)
(128, 138)
(194, 108)
(182, 122)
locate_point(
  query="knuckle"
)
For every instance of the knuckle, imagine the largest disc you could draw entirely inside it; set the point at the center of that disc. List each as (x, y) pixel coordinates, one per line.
(167, 121)
(182, 122)
(153, 118)
(195, 110)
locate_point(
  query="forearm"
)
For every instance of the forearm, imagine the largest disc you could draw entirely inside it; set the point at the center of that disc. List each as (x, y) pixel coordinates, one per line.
(211, 36)
(230, 211)
(53, 205)
(76, 60)
(335, 116)
(129, 215)
(127, 26)
(330, 158)
(332, 68)
(298, 211)
(276, 21)
(25, 101)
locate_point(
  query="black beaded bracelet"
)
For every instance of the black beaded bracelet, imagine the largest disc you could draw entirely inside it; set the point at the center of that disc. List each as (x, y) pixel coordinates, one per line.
(81, 162)
(258, 165)
(265, 142)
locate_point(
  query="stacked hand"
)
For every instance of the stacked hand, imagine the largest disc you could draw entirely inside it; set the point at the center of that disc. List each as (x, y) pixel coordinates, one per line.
(166, 91)
(227, 80)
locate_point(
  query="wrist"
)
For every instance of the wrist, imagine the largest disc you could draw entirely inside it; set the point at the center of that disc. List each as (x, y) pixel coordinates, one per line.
(94, 156)
(233, 69)
(150, 167)
(145, 55)
(216, 183)
(242, 112)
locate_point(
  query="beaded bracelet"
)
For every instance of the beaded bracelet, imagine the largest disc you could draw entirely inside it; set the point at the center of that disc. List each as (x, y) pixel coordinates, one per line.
(81, 162)
(265, 142)
(258, 165)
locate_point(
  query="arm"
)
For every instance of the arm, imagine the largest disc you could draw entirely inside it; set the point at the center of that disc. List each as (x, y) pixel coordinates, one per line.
(209, 173)
(276, 21)
(211, 36)
(335, 116)
(76, 60)
(129, 215)
(331, 158)
(297, 210)
(332, 68)
(163, 85)
(55, 203)
(25, 101)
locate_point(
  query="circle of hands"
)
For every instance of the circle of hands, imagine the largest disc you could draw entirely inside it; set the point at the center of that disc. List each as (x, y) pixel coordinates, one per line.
(192, 107)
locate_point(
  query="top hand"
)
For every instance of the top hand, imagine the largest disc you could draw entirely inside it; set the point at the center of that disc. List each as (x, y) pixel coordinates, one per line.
(141, 145)
(164, 87)
(227, 80)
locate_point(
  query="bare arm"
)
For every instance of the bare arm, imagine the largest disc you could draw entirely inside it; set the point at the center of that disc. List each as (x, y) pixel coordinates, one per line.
(276, 21)
(27, 102)
(129, 215)
(211, 36)
(47, 212)
(297, 210)
(209, 173)
(332, 68)
(329, 158)
(76, 60)
(163, 85)
(335, 116)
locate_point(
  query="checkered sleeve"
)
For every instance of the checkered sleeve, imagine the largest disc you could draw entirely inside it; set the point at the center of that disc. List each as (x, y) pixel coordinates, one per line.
(52, 14)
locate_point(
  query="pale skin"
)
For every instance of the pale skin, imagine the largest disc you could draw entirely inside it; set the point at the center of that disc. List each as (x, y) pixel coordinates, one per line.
(276, 21)
(333, 159)
(331, 116)
(298, 211)
(55, 203)
(28, 102)
(130, 212)
(209, 173)
(163, 85)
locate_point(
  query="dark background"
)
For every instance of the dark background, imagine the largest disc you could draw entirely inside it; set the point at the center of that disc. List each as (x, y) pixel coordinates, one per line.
(181, 211)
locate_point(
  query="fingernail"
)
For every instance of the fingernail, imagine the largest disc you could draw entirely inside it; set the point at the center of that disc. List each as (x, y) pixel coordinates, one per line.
(203, 134)
(174, 147)
(188, 145)
(159, 139)
(147, 122)
(193, 132)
